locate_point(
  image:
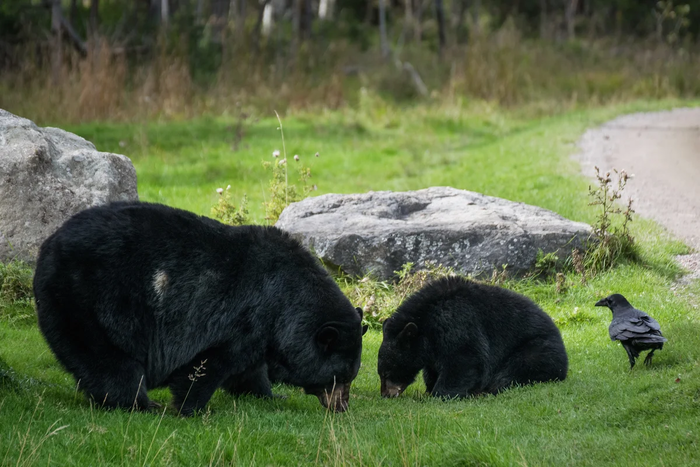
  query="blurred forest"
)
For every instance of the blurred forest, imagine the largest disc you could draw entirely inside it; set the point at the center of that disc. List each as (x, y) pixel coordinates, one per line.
(76, 60)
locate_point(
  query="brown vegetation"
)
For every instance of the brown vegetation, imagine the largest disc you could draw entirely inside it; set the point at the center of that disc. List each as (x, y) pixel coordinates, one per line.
(501, 67)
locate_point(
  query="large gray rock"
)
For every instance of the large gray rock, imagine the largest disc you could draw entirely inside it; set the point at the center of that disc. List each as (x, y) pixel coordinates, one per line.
(377, 232)
(47, 175)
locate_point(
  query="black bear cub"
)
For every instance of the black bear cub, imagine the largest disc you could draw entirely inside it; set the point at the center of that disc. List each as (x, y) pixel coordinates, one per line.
(469, 339)
(134, 296)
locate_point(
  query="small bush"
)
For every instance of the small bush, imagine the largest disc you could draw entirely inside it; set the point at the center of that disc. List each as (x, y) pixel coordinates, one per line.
(546, 264)
(609, 243)
(227, 212)
(281, 192)
(379, 299)
(16, 293)
(15, 281)
(574, 317)
(8, 378)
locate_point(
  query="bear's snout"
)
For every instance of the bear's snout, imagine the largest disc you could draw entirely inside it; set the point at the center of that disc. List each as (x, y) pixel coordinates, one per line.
(336, 399)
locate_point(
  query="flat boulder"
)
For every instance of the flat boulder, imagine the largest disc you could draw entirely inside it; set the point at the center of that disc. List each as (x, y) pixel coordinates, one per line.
(46, 176)
(376, 233)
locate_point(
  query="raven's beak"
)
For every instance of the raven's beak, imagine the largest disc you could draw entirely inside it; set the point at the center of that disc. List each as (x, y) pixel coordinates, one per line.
(602, 302)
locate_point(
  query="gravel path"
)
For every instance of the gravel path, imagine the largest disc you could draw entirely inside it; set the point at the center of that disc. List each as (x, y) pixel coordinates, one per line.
(662, 150)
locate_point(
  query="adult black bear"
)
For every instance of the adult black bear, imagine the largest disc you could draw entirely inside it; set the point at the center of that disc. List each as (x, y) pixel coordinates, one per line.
(133, 296)
(469, 338)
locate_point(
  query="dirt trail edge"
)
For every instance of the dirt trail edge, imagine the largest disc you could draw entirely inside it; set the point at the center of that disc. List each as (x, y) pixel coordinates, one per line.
(662, 150)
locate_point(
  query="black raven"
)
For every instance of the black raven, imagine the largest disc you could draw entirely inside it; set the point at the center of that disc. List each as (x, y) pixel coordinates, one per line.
(635, 329)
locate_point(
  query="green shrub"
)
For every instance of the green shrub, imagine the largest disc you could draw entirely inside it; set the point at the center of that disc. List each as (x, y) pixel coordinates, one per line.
(227, 212)
(610, 243)
(16, 293)
(15, 281)
(379, 299)
(281, 192)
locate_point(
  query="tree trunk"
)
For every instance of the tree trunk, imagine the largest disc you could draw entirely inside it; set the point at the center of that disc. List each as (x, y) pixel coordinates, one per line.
(263, 25)
(296, 29)
(418, 29)
(325, 9)
(267, 19)
(154, 11)
(440, 16)
(199, 12)
(543, 19)
(164, 12)
(57, 55)
(476, 11)
(237, 15)
(243, 13)
(408, 18)
(384, 42)
(307, 20)
(459, 19)
(94, 17)
(571, 18)
(73, 15)
(219, 10)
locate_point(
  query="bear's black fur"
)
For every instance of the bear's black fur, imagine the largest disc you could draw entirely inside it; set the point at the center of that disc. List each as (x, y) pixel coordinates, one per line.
(469, 338)
(133, 296)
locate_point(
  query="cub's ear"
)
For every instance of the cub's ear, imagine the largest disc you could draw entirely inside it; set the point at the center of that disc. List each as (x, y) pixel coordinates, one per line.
(364, 329)
(408, 333)
(327, 337)
(359, 311)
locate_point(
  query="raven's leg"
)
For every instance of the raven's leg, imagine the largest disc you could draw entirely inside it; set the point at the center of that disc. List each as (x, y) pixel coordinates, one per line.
(650, 355)
(630, 354)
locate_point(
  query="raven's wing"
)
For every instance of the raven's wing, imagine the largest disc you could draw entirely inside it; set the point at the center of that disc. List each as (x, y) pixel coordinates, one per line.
(651, 323)
(641, 328)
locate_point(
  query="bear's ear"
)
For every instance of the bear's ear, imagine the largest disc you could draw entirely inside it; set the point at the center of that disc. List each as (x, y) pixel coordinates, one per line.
(359, 311)
(364, 329)
(408, 333)
(327, 337)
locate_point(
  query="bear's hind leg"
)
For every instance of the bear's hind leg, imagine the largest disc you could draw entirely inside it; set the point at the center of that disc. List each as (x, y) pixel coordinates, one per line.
(104, 372)
(115, 381)
(538, 360)
(193, 384)
(255, 383)
(461, 378)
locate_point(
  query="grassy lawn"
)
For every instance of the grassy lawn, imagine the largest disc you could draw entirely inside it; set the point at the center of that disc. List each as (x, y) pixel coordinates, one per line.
(603, 414)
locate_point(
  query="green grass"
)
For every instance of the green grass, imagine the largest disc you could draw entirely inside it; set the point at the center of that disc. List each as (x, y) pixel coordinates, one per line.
(603, 414)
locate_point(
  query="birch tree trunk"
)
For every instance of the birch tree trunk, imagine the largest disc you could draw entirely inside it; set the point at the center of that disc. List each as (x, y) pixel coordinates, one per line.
(325, 9)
